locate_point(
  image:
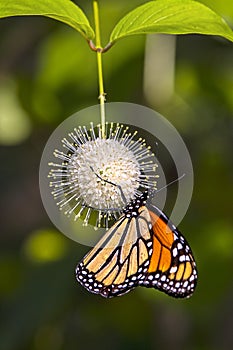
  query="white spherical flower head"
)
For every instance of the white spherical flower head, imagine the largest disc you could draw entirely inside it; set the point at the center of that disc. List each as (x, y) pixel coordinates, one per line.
(99, 168)
(101, 174)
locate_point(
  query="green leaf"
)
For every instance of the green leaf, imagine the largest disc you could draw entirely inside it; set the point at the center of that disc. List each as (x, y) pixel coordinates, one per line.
(62, 10)
(171, 17)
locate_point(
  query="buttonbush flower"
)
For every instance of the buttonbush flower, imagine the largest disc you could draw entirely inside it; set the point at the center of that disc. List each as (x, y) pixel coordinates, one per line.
(96, 176)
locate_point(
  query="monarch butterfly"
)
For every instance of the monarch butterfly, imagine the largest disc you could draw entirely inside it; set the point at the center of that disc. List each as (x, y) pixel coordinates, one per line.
(142, 248)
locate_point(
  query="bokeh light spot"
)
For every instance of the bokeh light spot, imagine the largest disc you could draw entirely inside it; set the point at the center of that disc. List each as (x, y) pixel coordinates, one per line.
(45, 246)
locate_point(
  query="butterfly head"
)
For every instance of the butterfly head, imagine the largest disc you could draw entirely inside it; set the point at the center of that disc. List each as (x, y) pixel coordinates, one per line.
(132, 209)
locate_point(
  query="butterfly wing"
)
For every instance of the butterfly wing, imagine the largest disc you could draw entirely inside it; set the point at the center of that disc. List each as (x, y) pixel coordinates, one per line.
(172, 268)
(142, 248)
(121, 258)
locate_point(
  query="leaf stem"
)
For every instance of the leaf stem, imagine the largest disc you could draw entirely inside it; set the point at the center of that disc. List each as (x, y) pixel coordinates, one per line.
(99, 65)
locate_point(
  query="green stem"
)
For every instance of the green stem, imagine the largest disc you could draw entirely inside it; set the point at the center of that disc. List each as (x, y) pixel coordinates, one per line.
(99, 65)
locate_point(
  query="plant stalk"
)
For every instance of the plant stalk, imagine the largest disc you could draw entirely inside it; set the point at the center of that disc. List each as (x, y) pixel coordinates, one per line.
(100, 66)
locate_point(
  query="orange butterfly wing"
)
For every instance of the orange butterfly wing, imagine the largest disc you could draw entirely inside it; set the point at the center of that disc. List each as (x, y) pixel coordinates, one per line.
(172, 268)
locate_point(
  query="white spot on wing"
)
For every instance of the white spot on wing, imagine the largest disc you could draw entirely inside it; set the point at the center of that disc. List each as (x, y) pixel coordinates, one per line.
(179, 246)
(182, 258)
(175, 252)
(173, 269)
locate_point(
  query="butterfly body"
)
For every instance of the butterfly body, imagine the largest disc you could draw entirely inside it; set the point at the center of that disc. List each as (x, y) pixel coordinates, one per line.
(143, 248)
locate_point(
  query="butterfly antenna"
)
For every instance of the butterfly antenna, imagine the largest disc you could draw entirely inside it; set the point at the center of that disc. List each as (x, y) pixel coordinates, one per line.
(111, 183)
(170, 183)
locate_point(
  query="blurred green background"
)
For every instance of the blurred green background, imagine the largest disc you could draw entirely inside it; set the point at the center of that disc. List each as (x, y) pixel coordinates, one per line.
(47, 73)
